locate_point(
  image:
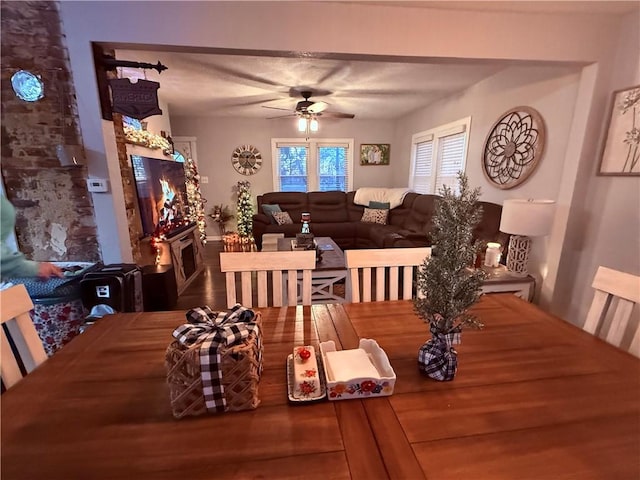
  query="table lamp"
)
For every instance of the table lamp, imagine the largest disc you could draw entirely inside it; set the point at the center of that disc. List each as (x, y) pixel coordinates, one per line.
(523, 219)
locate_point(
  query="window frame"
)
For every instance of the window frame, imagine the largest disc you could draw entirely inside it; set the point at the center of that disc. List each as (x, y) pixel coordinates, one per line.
(313, 167)
(436, 136)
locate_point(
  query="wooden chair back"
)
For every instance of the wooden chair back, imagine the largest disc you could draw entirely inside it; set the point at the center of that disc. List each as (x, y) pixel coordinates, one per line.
(616, 295)
(268, 268)
(15, 305)
(396, 262)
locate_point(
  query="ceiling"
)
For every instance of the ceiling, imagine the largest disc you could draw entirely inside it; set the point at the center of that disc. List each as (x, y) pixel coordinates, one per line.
(523, 6)
(202, 84)
(242, 86)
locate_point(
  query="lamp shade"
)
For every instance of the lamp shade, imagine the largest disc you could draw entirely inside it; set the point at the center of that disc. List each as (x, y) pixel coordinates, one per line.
(531, 218)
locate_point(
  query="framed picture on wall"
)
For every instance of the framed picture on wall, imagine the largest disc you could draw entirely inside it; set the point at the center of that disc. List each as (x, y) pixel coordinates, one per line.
(621, 149)
(375, 153)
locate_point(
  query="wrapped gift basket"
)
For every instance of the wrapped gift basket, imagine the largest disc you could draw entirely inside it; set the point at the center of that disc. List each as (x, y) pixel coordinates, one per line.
(214, 362)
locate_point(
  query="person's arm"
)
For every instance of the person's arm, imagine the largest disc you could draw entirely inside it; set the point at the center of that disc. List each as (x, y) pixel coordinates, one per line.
(47, 270)
(15, 264)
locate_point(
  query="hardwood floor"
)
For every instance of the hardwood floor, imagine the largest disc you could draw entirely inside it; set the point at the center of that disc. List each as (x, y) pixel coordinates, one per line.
(209, 287)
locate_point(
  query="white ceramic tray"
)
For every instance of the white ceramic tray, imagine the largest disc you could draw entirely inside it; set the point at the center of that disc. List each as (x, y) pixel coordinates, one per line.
(360, 387)
(291, 382)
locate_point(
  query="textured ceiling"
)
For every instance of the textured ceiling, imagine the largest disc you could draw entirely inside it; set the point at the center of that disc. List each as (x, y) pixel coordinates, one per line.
(241, 86)
(198, 84)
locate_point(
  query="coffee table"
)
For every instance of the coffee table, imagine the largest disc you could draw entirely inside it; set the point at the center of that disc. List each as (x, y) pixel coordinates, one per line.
(329, 270)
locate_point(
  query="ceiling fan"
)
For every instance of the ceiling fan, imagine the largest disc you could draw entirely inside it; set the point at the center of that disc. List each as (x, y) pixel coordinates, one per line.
(308, 108)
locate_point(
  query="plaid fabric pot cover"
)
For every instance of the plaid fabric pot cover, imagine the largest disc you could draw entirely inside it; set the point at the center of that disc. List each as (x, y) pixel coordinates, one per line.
(437, 357)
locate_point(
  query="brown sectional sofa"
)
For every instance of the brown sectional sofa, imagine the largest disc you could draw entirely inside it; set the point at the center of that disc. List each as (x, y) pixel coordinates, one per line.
(333, 214)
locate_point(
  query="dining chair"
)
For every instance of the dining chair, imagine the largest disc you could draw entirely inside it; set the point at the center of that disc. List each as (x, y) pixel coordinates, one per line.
(15, 305)
(616, 295)
(274, 263)
(391, 261)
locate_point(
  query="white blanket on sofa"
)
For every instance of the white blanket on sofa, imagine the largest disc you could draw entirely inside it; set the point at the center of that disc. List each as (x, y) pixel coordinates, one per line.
(394, 196)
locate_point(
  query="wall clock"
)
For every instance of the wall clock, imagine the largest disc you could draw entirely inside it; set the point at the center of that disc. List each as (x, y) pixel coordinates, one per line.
(246, 159)
(514, 147)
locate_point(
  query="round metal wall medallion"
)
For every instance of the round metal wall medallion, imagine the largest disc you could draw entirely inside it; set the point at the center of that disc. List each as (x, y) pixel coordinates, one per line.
(514, 147)
(27, 86)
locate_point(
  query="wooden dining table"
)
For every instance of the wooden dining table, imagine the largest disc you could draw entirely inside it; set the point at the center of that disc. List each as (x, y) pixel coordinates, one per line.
(534, 398)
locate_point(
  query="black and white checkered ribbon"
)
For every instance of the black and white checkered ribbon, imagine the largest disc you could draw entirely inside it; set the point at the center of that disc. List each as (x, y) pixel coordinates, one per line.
(212, 330)
(437, 358)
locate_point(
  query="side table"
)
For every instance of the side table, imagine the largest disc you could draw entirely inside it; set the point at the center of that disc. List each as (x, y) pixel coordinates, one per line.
(499, 279)
(159, 287)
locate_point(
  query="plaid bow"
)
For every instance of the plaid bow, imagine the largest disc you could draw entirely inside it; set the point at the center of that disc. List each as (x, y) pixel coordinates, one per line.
(210, 330)
(437, 358)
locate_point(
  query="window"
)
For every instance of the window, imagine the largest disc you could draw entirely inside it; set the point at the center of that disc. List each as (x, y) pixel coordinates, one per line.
(183, 148)
(438, 155)
(178, 156)
(304, 166)
(131, 122)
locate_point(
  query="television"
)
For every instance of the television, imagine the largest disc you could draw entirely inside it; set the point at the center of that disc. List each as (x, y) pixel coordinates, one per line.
(162, 195)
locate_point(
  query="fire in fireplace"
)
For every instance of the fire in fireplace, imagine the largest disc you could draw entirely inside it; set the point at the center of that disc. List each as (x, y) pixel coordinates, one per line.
(162, 195)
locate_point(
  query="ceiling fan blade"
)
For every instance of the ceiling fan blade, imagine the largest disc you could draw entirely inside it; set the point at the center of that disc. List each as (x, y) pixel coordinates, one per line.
(247, 102)
(277, 108)
(337, 114)
(317, 107)
(282, 116)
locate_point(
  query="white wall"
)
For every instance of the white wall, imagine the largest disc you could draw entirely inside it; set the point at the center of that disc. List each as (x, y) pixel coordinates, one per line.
(217, 138)
(550, 90)
(605, 218)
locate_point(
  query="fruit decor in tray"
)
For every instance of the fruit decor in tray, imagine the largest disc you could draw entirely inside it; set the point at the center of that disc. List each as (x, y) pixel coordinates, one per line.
(305, 375)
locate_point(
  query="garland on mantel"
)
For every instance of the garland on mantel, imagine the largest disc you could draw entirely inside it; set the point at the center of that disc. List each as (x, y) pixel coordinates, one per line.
(147, 139)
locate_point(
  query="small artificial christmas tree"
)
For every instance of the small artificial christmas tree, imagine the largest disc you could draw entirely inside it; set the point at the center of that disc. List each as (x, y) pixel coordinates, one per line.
(244, 211)
(449, 285)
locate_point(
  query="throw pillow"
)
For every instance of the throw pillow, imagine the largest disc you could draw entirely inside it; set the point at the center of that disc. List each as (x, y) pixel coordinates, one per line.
(269, 210)
(282, 218)
(375, 215)
(383, 205)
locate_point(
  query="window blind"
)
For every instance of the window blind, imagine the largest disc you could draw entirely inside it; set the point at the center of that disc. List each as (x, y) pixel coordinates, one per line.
(423, 166)
(450, 160)
(438, 155)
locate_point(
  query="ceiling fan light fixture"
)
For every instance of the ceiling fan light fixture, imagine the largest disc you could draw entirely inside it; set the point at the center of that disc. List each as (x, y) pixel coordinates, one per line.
(313, 125)
(302, 124)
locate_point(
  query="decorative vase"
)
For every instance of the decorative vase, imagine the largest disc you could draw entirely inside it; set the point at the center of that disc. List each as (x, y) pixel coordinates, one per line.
(437, 358)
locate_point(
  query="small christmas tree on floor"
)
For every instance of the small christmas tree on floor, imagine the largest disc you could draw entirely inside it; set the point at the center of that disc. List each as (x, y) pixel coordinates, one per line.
(244, 213)
(194, 197)
(450, 287)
